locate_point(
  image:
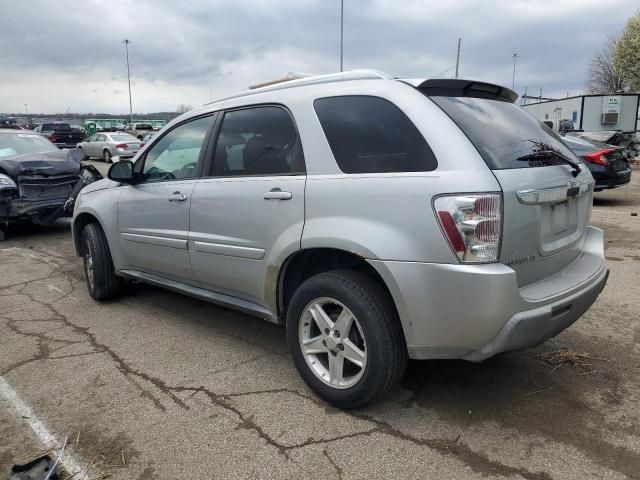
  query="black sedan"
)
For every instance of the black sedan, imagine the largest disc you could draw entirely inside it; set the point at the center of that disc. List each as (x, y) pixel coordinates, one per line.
(607, 163)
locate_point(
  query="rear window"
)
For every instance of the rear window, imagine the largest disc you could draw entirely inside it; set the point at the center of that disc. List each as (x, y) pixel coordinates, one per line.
(123, 137)
(371, 135)
(504, 134)
(144, 126)
(58, 127)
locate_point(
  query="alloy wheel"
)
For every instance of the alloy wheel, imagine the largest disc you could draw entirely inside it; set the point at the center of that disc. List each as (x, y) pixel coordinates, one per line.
(332, 343)
(88, 265)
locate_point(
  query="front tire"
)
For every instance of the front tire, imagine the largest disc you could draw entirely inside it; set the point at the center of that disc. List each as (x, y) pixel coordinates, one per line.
(106, 156)
(102, 281)
(345, 338)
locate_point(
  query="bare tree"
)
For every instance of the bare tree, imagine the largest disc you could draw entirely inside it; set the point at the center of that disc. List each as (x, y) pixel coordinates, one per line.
(603, 76)
(182, 108)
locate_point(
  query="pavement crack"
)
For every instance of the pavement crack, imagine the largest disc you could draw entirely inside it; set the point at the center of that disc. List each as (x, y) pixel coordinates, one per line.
(337, 468)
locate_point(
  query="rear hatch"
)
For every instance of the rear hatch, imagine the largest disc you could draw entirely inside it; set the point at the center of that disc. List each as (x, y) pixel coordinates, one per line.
(547, 201)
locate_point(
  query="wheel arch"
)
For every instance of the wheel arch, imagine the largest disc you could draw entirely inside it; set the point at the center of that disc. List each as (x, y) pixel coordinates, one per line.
(304, 264)
(79, 222)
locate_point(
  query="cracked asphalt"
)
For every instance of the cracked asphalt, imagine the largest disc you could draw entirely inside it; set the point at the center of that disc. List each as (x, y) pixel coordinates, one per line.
(157, 385)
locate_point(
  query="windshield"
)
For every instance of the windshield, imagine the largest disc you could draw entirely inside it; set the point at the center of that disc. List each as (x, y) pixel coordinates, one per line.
(21, 143)
(504, 134)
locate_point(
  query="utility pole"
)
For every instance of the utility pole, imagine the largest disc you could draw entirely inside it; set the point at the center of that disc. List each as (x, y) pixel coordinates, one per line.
(458, 57)
(341, 33)
(513, 81)
(126, 48)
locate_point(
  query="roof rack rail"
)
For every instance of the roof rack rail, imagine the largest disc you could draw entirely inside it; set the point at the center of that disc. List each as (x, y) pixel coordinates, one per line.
(298, 80)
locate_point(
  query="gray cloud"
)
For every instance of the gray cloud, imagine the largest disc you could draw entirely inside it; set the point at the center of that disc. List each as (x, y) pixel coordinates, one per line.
(67, 54)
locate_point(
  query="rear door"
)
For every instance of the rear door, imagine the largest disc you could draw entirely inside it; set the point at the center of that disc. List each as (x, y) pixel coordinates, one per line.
(249, 213)
(153, 214)
(547, 202)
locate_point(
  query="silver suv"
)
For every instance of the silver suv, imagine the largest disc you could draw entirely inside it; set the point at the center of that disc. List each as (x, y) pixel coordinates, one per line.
(379, 219)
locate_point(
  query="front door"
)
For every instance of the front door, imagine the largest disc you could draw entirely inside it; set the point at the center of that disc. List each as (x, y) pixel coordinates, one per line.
(153, 214)
(248, 214)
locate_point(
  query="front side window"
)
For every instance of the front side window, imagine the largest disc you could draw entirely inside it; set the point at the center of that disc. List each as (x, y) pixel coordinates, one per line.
(175, 155)
(371, 135)
(258, 141)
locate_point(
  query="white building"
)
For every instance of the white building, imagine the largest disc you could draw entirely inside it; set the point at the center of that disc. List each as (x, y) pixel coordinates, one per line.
(592, 112)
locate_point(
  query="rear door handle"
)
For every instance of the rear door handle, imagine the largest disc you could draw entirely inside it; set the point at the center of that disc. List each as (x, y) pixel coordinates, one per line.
(277, 194)
(177, 197)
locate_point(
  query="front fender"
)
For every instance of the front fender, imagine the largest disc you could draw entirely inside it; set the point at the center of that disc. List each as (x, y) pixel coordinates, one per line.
(102, 205)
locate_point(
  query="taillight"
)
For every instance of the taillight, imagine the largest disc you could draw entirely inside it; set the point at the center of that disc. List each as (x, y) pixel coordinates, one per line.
(141, 145)
(472, 225)
(599, 157)
(53, 138)
(121, 145)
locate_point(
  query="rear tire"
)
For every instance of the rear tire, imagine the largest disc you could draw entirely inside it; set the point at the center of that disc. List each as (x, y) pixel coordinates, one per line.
(106, 156)
(373, 337)
(102, 281)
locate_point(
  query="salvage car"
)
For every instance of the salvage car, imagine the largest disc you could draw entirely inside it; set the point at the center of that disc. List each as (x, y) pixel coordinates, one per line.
(37, 179)
(378, 219)
(607, 163)
(108, 145)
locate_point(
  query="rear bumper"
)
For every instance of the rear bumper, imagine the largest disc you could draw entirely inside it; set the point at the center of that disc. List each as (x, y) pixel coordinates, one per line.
(476, 311)
(611, 178)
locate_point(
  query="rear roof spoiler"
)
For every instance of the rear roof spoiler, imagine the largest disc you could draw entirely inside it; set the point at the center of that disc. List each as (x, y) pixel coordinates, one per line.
(466, 88)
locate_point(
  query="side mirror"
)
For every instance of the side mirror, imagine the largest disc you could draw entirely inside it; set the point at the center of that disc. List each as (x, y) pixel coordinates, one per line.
(121, 172)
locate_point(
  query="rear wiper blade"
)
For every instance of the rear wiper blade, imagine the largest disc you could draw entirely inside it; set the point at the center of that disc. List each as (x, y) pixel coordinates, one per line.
(548, 153)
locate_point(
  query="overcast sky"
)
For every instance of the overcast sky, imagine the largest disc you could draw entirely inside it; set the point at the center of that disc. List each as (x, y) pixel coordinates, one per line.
(59, 55)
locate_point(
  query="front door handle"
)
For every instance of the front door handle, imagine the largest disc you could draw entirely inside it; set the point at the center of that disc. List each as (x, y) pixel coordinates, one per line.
(177, 197)
(277, 194)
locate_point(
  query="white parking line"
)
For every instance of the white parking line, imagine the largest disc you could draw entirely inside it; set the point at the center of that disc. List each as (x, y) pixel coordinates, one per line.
(50, 441)
(606, 210)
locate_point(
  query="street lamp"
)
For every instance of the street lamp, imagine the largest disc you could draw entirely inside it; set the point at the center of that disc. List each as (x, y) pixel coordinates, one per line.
(341, 32)
(513, 81)
(126, 48)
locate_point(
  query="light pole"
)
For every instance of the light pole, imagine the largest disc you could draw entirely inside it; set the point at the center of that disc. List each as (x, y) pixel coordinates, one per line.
(458, 57)
(513, 81)
(341, 32)
(126, 48)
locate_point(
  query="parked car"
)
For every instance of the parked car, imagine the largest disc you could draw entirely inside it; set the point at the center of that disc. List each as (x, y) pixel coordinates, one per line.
(61, 134)
(36, 178)
(559, 125)
(108, 145)
(607, 163)
(138, 130)
(148, 136)
(378, 219)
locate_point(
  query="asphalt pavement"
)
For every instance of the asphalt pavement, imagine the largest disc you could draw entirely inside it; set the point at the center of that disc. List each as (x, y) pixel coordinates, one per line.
(158, 385)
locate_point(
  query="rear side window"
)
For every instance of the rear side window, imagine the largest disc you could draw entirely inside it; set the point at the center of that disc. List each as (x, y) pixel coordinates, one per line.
(504, 134)
(258, 141)
(371, 135)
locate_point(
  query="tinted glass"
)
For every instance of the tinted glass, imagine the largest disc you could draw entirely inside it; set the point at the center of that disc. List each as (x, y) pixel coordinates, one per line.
(58, 127)
(372, 135)
(175, 155)
(258, 141)
(504, 134)
(21, 143)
